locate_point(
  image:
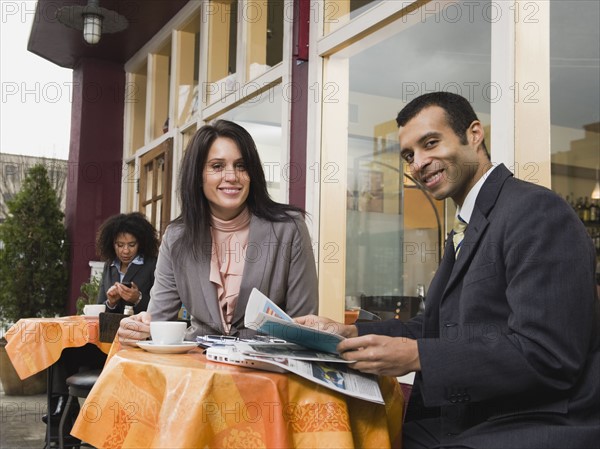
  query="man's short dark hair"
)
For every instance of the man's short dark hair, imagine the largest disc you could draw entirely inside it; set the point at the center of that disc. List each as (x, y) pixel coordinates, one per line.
(459, 112)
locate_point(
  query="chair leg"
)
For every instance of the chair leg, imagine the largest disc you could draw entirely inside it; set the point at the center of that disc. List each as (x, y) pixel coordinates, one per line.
(65, 415)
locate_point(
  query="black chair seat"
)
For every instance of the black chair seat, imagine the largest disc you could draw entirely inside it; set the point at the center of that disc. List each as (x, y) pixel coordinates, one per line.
(80, 384)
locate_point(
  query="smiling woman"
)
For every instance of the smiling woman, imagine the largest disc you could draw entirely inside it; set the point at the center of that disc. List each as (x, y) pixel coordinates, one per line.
(226, 183)
(230, 237)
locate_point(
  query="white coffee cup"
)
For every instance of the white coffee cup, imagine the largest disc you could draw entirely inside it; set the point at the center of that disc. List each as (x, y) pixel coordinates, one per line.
(93, 309)
(167, 332)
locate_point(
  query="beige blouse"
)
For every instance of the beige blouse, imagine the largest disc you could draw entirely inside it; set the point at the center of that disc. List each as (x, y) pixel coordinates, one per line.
(229, 243)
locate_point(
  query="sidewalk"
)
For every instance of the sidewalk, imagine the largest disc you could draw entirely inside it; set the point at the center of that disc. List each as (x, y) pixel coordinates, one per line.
(21, 425)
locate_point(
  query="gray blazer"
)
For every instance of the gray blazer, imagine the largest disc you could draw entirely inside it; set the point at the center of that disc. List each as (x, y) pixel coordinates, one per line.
(509, 342)
(279, 262)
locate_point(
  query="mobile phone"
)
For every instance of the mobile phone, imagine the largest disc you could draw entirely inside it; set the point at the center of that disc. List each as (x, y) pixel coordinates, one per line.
(127, 284)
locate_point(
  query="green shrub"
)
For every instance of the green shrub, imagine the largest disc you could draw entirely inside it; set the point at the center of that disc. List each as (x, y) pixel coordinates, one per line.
(33, 252)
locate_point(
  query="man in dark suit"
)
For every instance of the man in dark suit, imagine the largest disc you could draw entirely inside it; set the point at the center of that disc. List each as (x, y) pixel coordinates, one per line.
(507, 351)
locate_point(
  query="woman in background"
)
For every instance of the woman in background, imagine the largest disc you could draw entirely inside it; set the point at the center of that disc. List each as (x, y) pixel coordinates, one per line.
(128, 245)
(230, 237)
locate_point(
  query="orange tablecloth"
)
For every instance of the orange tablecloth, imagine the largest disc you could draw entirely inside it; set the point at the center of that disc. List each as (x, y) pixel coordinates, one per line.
(144, 400)
(34, 344)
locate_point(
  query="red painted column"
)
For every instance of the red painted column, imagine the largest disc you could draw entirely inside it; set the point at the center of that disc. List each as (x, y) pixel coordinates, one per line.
(299, 108)
(95, 154)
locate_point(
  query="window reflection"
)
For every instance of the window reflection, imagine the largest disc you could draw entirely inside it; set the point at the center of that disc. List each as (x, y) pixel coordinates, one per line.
(265, 36)
(222, 48)
(338, 12)
(393, 231)
(261, 116)
(575, 96)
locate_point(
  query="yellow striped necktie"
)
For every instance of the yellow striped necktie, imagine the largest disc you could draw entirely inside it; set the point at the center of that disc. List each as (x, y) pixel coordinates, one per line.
(459, 234)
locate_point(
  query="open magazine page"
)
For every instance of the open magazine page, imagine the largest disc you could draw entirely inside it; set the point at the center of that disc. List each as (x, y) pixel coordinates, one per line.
(335, 376)
(288, 351)
(259, 303)
(264, 316)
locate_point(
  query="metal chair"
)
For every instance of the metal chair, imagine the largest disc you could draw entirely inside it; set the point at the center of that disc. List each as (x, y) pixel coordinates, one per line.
(80, 384)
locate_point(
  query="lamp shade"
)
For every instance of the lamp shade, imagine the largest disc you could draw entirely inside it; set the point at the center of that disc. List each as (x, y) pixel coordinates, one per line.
(92, 19)
(92, 28)
(596, 191)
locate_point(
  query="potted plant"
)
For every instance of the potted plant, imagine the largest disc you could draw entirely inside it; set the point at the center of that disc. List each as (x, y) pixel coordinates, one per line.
(89, 294)
(33, 255)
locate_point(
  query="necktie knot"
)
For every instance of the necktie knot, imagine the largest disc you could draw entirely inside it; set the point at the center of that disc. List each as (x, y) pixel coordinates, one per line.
(459, 233)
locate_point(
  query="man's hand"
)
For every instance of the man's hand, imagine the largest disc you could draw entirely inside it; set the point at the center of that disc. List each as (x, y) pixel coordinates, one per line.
(381, 355)
(135, 328)
(327, 325)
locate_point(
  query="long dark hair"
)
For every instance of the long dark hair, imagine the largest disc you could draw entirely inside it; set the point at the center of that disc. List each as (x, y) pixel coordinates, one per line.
(195, 210)
(135, 224)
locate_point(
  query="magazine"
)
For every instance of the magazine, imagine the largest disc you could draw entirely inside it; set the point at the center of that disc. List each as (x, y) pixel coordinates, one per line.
(333, 375)
(288, 351)
(264, 316)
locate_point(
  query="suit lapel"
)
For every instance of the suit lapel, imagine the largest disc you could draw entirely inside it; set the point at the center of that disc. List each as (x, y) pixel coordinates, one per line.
(209, 291)
(436, 290)
(486, 199)
(131, 271)
(473, 234)
(114, 274)
(258, 252)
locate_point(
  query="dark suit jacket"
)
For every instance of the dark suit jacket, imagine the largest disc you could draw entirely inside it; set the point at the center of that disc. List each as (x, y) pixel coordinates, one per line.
(509, 342)
(142, 275)
(279, 262)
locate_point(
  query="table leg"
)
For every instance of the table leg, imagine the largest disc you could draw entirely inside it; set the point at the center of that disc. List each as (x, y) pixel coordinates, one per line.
(49, 410)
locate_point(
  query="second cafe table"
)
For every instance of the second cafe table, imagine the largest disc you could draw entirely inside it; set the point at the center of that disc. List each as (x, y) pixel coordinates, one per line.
(144, 400)
(35, 344)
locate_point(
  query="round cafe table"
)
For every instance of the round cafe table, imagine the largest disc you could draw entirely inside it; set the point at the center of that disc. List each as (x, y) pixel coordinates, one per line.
(36, 344)
(147, 400)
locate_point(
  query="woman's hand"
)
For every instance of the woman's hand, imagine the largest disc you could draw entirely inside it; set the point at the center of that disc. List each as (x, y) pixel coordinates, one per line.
(112, 295)
(134, 328)
(129, 294)
(327, 325)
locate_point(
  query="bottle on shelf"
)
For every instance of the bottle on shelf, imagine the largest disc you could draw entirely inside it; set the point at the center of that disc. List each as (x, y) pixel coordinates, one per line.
(421, 296)
(594, 218)
(585, 214)
(579, 208)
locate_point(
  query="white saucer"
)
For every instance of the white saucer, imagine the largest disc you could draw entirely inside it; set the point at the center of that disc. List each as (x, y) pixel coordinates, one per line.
(179, 348)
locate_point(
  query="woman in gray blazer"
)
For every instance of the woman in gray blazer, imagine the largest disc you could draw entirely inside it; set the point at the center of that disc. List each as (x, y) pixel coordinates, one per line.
(230, 237)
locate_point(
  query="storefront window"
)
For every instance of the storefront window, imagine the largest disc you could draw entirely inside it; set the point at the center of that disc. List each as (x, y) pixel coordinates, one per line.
(574, 102)
(261, 116)
(222, 18)
(339, 12)
(159, 73)
(135, 102)
(187, 135)
(393, 230)
(188, 52)
(264, 47)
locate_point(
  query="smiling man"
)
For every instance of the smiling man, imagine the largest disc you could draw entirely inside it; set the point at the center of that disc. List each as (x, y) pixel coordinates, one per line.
(507, 351)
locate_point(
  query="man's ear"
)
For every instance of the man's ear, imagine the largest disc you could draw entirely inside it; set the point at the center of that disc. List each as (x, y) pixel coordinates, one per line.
(476, 133)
